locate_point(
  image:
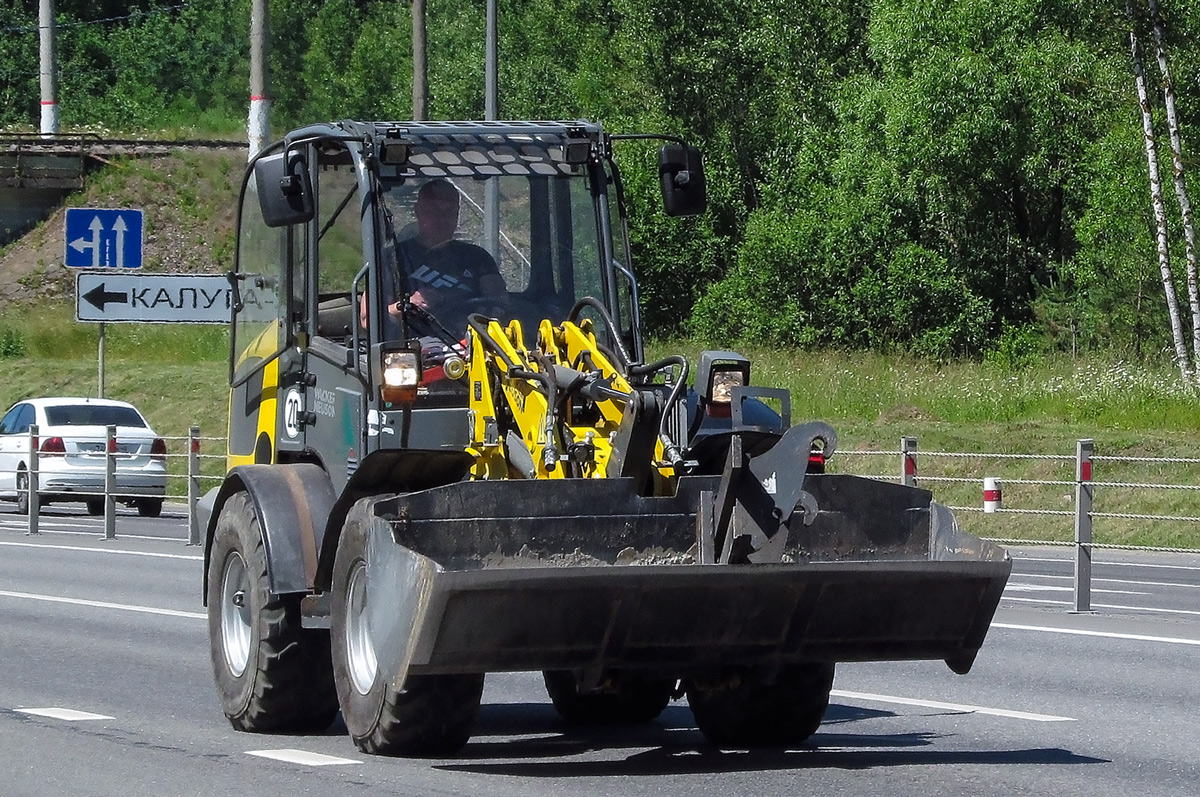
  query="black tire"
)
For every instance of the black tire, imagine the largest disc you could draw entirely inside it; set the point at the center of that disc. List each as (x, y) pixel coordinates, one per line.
(432, 715)
(748, 712)
(271, 674)
(629, 700)
(22, 493)
(95, 506)
(149, 507)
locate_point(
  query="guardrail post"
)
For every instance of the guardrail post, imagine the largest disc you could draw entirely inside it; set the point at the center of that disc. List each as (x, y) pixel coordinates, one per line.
(110, 482)
(908, 461)
(193, 489)
(35, 504)
(1084, 449)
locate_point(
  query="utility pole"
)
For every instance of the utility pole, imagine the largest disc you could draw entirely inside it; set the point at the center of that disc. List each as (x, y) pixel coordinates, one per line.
(490, 81)
(49, 68)
(260, 97)
(420, 106)
(491, 195)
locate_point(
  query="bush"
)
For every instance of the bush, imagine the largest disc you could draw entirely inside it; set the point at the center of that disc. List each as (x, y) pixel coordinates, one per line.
(12, 344)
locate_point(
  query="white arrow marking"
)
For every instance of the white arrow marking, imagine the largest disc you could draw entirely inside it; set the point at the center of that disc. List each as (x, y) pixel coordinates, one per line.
(96, 227)
(120, 227)
(80, 244)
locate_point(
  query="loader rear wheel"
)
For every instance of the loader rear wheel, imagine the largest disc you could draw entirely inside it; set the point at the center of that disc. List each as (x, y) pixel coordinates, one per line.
(271, 674)
(629, 700)
(747, 711)
(432, 715)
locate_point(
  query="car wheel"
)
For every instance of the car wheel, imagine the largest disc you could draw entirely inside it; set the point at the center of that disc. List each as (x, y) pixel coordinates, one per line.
(22, 493)
(149, 507)
(95, 506)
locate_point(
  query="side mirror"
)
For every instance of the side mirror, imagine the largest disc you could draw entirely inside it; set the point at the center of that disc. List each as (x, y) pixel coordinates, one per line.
(284, 187)
(681, 175)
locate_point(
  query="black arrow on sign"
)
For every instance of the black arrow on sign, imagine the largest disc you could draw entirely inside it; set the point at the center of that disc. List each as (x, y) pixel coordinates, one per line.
(100, 297)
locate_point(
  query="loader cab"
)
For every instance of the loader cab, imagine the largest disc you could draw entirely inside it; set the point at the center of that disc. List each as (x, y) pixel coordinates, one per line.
(325, 221)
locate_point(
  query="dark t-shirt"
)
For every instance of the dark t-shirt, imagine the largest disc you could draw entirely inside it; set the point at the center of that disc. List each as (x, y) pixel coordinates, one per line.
(454, 269)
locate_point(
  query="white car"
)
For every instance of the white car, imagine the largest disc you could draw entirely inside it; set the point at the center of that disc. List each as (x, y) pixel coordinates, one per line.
(71, 461)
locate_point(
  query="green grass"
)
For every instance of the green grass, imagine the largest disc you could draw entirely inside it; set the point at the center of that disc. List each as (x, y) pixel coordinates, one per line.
(176, 375)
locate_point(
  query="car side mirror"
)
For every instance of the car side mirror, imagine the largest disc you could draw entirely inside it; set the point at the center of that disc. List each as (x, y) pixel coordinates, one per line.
(681, 175)
(285, 192)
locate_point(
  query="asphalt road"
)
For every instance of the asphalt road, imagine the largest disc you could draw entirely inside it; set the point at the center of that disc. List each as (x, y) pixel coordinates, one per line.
(106, 689)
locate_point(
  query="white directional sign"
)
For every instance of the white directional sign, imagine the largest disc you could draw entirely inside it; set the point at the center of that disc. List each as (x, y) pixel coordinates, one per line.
(103, 238)
(152, 298)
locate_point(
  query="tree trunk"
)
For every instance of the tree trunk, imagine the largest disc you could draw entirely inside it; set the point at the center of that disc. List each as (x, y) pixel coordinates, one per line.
(420, 70)
(1181, 192)
(1160, 212)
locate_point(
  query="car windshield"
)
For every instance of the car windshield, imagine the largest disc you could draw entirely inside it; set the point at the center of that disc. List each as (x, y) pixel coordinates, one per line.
(93, 415)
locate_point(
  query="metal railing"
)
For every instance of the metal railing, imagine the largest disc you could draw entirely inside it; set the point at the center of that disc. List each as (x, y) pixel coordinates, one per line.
(1081, 488)
(968, 471)
(187, 464)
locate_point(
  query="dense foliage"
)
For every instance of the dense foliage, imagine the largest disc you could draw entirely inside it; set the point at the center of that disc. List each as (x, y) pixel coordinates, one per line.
(948, 178)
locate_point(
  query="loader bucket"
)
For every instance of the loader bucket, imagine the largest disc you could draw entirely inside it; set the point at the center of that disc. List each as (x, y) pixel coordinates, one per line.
(586, 574)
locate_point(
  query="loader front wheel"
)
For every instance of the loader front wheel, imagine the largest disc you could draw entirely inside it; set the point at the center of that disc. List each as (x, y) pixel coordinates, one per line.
(745, 710)
(624, 700)
(271, 674)
(432, 715)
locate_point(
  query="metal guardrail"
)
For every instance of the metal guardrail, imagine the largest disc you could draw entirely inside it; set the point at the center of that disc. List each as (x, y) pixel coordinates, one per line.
(1082, 514)
(110, 495)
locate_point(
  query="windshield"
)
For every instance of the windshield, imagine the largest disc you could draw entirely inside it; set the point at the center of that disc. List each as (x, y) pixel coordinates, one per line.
(512, 246)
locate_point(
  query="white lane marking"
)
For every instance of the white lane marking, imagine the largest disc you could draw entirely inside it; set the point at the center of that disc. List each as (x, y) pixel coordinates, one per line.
(1107, 563)
(956, 707)
(1104, 634)
(68, 714)
(123, 552)
(291, 756)
(1129, 581)
(102, 605)
(1019, 587)
(1152, 609)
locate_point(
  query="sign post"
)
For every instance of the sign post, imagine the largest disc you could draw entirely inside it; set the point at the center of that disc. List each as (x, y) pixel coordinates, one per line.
(103, 238)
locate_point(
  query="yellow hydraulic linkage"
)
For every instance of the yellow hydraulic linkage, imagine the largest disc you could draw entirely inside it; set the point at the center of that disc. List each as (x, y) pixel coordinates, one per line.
(551, 412)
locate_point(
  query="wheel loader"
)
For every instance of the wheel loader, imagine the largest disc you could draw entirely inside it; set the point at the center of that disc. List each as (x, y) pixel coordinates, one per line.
(416, 496)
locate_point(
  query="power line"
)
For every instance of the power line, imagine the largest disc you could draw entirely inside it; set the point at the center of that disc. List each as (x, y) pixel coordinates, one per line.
(106, 20)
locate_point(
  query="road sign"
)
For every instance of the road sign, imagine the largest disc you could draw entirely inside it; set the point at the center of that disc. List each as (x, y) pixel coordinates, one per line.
(152, 298)
(99, 238)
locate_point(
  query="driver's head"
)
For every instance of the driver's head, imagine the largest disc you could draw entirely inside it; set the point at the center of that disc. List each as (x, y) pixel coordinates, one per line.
(437, 212)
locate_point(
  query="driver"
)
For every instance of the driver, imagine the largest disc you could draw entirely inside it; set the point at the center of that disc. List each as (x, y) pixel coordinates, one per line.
(444, 275)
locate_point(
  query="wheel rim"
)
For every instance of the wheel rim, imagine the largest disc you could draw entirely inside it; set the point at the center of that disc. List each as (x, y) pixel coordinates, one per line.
(235, 614)
(360, 652)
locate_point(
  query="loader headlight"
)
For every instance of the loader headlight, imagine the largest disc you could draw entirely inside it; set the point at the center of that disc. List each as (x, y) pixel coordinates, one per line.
(723, 383)
(401, 374)
(719, 373)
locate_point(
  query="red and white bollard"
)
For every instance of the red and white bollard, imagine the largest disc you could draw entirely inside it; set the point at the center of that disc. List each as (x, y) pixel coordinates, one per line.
(992, 497)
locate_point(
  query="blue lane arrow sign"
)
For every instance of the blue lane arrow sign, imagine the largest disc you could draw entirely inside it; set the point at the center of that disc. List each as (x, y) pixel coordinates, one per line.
(101, 238)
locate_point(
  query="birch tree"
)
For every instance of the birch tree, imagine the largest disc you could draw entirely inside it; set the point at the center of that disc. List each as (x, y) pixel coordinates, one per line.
(1181, 192)
(1160, 212)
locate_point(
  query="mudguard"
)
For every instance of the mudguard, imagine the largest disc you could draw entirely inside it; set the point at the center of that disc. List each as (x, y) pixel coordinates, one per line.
(293, 504)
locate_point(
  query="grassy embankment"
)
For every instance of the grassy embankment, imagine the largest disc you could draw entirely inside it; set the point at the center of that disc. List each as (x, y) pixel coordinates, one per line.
(176, 375)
